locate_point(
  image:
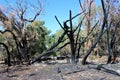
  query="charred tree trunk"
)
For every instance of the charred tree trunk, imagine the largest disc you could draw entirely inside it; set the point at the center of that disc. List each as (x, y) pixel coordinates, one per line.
(25, 50)
(109, 48)
(8, 54)
(112, 44)
(72, 41)
(73, 57)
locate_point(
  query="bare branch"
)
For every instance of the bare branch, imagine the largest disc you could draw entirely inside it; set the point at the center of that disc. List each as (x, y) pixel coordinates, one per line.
(79, 23)
(3, 17)
(75, 16)
(58, 41)
(36, 15)
(80, 4)
(71, 26)
(59, 22)
(83, 41)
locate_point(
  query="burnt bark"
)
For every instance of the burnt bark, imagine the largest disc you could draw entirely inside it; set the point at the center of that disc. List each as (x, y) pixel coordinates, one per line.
(109, 48)
(112, 43)
(8, 54)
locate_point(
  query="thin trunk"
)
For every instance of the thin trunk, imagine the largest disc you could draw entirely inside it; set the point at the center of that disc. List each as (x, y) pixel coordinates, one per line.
(112, 44)
(109, 48)
(78, 53)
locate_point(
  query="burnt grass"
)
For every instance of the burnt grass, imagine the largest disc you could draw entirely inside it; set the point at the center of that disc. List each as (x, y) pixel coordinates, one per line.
(55, 70)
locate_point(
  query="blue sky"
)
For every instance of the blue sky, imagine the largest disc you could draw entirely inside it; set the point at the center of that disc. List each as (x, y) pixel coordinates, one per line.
(60, 8)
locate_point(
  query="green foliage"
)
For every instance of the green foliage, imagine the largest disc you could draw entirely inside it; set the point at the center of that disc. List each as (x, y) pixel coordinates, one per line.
(39, 35)
(54, 38)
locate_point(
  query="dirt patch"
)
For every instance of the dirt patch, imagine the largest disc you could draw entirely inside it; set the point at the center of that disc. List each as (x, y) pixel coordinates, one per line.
(60, 71)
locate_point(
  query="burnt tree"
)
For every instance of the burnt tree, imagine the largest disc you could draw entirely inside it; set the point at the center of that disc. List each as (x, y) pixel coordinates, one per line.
(103, 30)
(16, 25)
